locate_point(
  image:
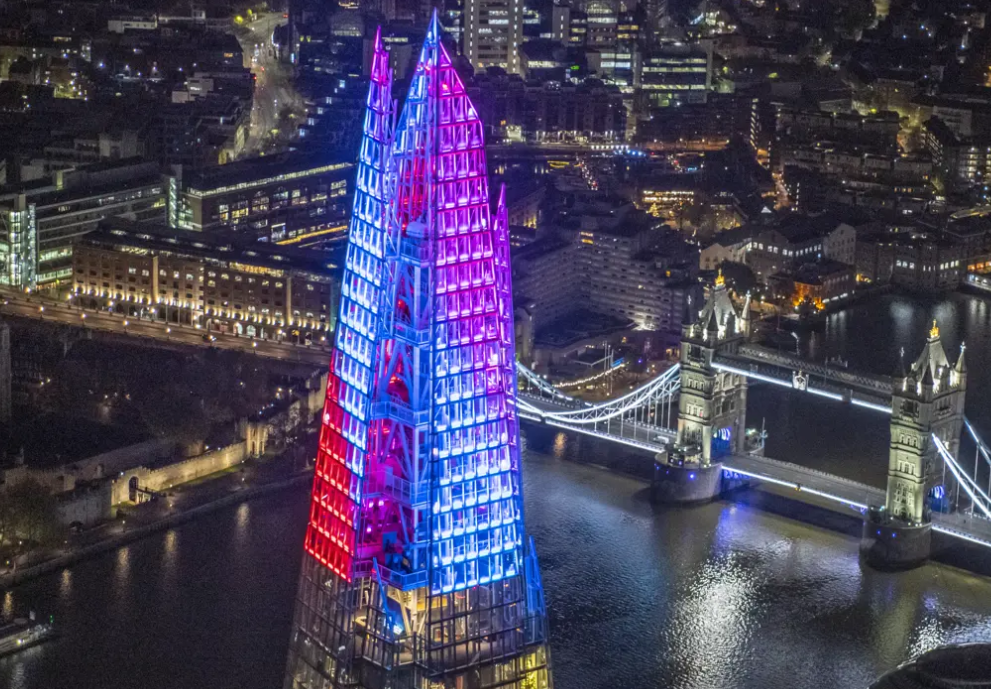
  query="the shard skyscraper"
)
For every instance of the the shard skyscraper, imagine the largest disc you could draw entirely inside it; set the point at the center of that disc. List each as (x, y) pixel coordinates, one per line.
(417, 570)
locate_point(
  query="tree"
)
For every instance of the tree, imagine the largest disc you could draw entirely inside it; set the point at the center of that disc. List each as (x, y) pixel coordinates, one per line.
(34, 510)
(7, 521)
(738, 276)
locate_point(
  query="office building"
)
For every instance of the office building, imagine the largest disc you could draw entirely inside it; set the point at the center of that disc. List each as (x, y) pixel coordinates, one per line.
(677, 73)
(493, 32)
(41, 220)
(417, 569)
(285, 198)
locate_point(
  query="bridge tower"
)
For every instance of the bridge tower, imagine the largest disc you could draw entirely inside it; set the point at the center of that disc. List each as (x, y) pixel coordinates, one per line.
(712, 405)
(927, 400)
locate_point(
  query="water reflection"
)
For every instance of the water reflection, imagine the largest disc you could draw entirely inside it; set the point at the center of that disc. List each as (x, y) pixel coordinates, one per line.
(170, 548)
(122, 570)
(903, 317)
(723, 596)
(65, 584)
(242, 532)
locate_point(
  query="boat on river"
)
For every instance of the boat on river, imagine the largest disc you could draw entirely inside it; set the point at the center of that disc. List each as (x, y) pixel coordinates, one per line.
(23, 633)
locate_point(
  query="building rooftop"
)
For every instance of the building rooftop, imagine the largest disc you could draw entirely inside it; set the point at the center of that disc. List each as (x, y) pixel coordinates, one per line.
(540, 247)
(972, 226)
(814, 273)
(261, 170)
(224, 246)
(578, 325)
(99, 178)
(735, 236)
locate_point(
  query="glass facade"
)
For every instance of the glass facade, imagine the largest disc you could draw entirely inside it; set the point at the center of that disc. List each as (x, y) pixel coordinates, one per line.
(18, 248)
(417, 571)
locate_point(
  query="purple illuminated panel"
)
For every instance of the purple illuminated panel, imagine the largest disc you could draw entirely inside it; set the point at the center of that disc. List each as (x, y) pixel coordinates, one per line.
(476, 518)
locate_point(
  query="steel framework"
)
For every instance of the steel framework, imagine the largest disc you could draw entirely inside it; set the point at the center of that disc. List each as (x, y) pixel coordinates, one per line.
(418, 573)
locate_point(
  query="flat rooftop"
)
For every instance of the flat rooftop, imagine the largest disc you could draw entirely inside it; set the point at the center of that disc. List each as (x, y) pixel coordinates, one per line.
(51, 440)
(219, 179)
(223, 246)
(579, 325)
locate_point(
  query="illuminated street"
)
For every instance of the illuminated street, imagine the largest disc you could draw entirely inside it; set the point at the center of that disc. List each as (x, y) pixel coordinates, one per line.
(273, 87)
(25, 306)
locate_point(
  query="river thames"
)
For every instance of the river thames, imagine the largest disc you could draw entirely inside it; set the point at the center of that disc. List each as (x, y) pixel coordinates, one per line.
(721, 596)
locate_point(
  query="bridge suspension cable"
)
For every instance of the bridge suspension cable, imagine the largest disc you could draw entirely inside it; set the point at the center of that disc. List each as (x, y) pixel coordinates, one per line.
(661, 387)
(589, 379)
(541, 384)
(978, 496)
(982, 450)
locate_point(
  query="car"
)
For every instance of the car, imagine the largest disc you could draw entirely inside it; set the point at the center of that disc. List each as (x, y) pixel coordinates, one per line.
(207, 337)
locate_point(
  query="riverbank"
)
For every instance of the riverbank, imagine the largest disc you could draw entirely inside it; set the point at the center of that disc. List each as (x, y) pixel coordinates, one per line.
(216, 494)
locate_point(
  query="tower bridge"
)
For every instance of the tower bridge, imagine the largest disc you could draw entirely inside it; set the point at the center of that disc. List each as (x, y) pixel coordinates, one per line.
(693, 418)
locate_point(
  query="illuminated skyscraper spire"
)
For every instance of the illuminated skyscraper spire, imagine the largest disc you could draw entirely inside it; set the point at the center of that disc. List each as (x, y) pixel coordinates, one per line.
(418, 572)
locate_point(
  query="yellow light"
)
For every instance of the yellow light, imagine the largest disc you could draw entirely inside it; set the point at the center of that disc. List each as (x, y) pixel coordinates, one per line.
(720, 280)
(934, 332)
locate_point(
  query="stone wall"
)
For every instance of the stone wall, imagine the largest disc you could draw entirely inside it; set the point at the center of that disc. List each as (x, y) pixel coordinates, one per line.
(86, 505)
(63, 478)
(162, 478)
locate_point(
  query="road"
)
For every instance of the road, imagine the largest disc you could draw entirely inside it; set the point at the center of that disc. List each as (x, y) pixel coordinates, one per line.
(273, 79)
(16, 304)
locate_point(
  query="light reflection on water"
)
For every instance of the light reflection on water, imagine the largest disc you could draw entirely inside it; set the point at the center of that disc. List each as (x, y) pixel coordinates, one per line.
(123, 569)
(243, 519)
(65, 585)
(723, 596)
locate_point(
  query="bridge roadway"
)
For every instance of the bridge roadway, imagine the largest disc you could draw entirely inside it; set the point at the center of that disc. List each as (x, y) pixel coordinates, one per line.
(806, 482)
(864, 389)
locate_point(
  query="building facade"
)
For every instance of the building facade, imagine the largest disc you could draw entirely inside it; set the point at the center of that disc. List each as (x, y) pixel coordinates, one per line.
(417, 569)
(218, 283)
(42, 221)
(545, 279)
(286, 198)
(493, 32)
(552, 111)
(626, 274)
(911, 257)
